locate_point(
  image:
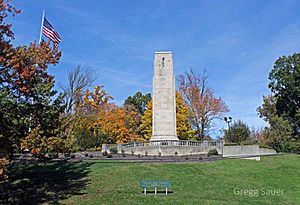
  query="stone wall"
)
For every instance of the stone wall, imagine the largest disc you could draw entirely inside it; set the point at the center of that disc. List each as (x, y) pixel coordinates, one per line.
(168, 150)
(266, 151)
(187, 147)
(246, 151)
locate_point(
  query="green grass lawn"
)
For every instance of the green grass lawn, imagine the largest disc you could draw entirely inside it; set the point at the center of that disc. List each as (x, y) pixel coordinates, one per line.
(117, 182)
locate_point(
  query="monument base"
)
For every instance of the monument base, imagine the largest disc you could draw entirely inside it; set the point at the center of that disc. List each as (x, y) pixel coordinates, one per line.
(163, 138)
(169, 148)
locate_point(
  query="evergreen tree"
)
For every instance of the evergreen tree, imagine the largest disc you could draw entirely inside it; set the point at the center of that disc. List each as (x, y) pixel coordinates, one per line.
(139, 101)
(237, 133)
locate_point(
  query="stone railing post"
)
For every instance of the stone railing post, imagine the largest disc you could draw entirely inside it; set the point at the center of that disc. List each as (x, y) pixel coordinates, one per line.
(103, 148)
(119, 149)
(205, 143)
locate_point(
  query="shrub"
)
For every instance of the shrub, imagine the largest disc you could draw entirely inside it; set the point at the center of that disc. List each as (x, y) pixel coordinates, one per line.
(67, 154)
(56, 145)
(265, 146)
(113, 150)
(297, 147)
(231, 144)
(247, 142)
(84, 138)
(212, 152)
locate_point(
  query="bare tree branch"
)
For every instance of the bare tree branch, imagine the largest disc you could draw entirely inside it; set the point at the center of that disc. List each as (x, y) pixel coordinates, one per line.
(203, 106)
(79, 78)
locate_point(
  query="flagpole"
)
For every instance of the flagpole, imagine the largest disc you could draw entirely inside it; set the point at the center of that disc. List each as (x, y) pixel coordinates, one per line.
(41, 31)
(40, 39)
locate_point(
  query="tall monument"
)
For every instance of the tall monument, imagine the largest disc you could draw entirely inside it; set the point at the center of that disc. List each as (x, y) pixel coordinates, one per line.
(164, 100)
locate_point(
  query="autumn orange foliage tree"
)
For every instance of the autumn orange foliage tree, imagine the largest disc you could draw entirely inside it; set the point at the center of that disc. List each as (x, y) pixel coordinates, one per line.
(116, 122)
(203, 106)
(96, 117)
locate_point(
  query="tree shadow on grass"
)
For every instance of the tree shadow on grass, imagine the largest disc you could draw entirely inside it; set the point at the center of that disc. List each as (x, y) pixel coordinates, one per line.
(44, 182)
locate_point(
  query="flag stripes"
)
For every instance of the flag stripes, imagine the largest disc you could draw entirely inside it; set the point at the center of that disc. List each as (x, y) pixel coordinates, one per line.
(50, 32)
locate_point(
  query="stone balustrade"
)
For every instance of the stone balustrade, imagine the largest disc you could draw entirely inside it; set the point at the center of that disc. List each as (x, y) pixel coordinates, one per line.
(169, 147)
(173, 143)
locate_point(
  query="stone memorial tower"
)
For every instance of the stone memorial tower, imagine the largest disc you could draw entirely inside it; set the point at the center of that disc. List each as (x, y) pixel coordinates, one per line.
(164, 100)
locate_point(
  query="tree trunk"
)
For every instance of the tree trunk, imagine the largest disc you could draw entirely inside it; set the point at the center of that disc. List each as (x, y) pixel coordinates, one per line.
(202, 132)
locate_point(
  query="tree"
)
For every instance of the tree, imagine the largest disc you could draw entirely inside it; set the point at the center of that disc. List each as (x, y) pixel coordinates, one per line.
(135, 106)
(6, 34)
(133, 122)
(202, 105)
(281, 109)
(26, 89)
(285, 85)
(78, 80)
(237, 133)
(6, 101)
(113, 124)
(183, 127)
(256, 135)
(92, 103)
(139, 101)
(90, 106)
(279, 135)
(38, 106)
(97, 116)
(146, 125)
(268, 109)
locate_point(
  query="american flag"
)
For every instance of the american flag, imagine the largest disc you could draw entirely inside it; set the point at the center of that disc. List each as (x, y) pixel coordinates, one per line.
(50, 32)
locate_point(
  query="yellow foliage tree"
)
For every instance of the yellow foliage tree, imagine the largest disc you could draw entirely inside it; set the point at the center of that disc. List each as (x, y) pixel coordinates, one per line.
(90, 106)
(146, 125)
(183, 128)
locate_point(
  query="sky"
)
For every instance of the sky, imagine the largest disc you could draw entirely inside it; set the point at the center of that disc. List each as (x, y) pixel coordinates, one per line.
(236, 42)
